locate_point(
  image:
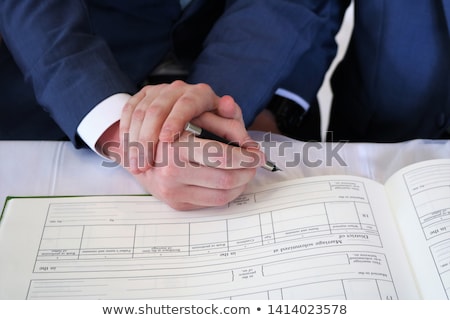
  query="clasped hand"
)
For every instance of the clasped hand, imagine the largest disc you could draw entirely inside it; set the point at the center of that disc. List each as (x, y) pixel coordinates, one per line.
(184, 171)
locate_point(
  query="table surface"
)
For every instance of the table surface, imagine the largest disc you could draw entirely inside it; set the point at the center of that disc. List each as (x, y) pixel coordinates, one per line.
(52, 168)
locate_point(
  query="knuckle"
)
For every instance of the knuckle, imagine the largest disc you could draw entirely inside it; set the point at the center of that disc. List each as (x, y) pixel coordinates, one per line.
(177, 84)
(186, 99)
(155, 110)
(138, 115)
(147, 89)
(128, 108)
(124, 126)
(203, 87)
(157, 89)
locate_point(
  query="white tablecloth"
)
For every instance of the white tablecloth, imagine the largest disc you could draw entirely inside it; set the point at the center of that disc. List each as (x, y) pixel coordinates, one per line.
(47, 168)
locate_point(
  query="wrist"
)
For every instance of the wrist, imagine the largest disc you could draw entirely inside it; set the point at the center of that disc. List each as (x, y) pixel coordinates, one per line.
(108, 144)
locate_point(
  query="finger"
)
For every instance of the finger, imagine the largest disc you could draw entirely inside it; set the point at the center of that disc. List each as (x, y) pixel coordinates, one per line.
(215, 154)
(187, 185)
(127, 111)
(227, 121)
(189, 173)
(195, 100)
(147, 113)
(228, 108)
(230, 129)
(195, 197)
(130, 156)
(195, 187)
(156, 108)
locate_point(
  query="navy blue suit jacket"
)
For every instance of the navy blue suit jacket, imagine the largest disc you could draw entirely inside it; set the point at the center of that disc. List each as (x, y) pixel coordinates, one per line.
(75, 53)
(394, 82)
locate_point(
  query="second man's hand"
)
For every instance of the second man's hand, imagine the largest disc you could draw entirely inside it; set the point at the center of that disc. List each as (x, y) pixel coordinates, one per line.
(204, 134)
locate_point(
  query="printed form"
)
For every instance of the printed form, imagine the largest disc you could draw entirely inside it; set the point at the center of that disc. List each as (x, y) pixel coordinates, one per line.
(422, 205)
(316, 238)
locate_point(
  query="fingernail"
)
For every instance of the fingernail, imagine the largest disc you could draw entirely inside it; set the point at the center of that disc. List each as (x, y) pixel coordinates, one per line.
(251, 145)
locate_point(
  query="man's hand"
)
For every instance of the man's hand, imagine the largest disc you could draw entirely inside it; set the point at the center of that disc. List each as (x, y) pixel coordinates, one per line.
(184, 171)
(159, 113)
(193, 173)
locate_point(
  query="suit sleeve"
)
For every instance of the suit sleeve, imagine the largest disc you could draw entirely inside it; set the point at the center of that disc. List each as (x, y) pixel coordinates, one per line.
(256, 46)
(71, 69)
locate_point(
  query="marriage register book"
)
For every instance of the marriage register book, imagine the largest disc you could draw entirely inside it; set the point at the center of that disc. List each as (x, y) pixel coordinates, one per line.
(327, 237)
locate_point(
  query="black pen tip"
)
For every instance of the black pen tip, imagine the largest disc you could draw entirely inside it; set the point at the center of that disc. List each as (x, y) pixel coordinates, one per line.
(271, 166)
(275, 168)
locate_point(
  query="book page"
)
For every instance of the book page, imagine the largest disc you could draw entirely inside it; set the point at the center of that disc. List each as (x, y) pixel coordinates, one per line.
(420, 197)
(316, 238)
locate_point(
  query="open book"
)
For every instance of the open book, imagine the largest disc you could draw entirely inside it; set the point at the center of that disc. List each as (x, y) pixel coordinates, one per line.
(328, 237)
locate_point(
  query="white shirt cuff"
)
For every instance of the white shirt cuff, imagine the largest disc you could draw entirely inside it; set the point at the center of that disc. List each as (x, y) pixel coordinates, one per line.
(294, 97)
(105, 114)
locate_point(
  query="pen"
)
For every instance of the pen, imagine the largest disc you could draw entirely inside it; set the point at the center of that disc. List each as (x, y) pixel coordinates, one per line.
(205, 134)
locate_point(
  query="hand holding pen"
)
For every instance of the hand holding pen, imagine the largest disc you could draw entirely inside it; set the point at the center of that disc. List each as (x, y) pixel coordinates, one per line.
(204, 134)
(184, 175)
